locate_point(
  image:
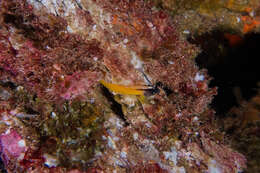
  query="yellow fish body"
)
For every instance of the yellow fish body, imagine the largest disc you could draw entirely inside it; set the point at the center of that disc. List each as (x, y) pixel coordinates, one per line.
(125, 90)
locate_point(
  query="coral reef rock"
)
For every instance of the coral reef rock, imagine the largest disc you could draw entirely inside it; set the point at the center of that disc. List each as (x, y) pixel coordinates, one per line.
(111, 86)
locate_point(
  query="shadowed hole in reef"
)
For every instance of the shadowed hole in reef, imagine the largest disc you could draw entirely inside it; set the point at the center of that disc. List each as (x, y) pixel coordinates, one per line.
(114, 105)
(233, 65)
(2, 168)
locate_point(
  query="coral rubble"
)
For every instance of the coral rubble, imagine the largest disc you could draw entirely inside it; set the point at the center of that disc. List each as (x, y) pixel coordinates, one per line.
(69, 75)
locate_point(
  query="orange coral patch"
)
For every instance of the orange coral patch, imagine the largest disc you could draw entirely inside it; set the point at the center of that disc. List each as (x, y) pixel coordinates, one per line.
(233, 39)
(250, 23)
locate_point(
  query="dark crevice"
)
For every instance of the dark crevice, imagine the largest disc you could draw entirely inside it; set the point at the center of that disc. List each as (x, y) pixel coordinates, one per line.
(231, 66)
(165, 88)
(29, 110)
(114, 105)
(2, 168)
(8, 84)
(18, 21)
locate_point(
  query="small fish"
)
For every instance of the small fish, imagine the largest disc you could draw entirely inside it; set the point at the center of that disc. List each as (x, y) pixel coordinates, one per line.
(126, 90)
(140, 90)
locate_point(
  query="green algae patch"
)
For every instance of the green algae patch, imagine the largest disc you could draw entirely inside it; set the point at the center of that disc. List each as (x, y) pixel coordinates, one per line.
(69, 133)
(76, 131)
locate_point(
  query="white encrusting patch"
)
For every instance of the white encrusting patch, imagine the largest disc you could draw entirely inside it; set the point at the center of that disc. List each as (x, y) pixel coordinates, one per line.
(125, 41)
(186, 32)
(172, 155)
(21, 143)
(102, 18)
(55, 6)
(94, 27)
(171, 62)
(199, 77)
(123, 154)
(129, 100)
(135, 61)
(252, 14)
(50, 161)
(195, 118)
(148, 124)
(50, 5)
(53, 115)
(213, 167)
(135, 136)
(178, 115)
(21, 156)
(7, 131)
(70, 8)
(116, 122)
(19, 88)
(182, 170)
(238, 19)
(111, 143)
(69, 29)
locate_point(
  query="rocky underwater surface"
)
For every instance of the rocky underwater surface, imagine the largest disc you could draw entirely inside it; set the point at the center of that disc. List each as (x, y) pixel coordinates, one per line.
(113, 86)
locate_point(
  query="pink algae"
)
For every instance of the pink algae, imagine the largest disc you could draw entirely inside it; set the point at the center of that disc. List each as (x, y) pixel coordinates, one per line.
(12, 145)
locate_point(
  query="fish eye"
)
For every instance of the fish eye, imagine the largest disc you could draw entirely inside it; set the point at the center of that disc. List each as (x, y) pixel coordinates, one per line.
(158, 84)
(152, 91)
(166, 89)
